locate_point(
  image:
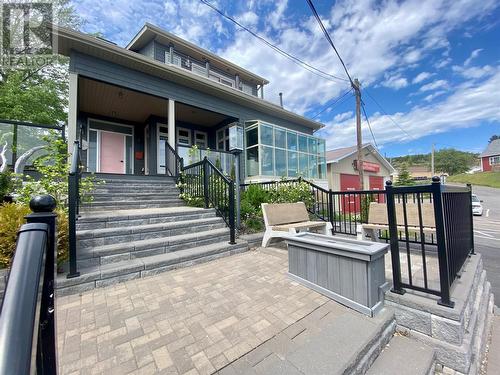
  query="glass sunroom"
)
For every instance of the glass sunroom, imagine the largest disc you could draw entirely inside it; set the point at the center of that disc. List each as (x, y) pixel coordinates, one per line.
(272, 152)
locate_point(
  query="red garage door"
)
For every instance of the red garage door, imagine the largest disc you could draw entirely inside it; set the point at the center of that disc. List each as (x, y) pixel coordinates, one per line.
(350, 202)
(377, 183)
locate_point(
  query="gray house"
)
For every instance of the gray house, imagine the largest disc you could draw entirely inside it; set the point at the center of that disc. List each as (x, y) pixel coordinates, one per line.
(125, 104)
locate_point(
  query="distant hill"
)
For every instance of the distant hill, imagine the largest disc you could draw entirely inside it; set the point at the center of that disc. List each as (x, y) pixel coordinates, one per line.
(447, 160)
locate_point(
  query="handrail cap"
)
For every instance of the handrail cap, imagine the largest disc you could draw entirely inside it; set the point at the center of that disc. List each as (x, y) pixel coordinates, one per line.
(436, 180)
(43, 203)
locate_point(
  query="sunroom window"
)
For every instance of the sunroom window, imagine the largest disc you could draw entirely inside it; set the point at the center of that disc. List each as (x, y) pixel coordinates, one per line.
(273, 151)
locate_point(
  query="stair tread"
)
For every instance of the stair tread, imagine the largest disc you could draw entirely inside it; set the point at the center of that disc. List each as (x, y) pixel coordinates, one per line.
(96, 233)
(403, 356)
(146, 263)
(152, 242)
(137, 212)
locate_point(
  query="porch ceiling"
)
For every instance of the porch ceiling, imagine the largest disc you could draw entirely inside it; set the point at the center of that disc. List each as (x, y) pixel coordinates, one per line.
(103, 99)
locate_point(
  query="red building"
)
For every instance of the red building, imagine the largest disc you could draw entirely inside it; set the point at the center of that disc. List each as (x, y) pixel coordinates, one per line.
(490, 158)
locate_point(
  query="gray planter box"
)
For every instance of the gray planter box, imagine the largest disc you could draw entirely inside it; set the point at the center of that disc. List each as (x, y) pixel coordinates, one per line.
(349, 271)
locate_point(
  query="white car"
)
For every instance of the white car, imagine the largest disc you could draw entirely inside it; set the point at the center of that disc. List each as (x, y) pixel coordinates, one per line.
(477, 207)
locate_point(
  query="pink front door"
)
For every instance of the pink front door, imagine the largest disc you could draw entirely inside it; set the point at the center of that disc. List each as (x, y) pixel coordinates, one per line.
(112, 153)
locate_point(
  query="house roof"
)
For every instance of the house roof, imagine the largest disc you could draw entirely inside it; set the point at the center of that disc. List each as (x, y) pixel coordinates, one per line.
(492, 149)
(149, 32)
(336, 155)
(69, 40)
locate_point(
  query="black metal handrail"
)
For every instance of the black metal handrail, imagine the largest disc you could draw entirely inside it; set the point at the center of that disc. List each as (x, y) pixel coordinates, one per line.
(204, 180)
(173, 162)
(452, 210)
(27, 318)
(74, 178)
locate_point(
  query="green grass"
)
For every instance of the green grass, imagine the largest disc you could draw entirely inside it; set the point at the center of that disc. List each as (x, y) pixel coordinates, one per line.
(491, 179)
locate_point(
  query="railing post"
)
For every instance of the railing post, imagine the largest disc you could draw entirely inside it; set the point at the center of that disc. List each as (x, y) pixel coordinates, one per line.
(232, 231)
(43, 207)
(205, 181)
(72, 214)
(471, 221)
(444, 275)
(393, 237)
(330, 208)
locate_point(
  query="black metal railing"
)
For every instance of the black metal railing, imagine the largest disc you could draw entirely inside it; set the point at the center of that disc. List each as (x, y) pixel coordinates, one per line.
(345, 210)
(205, 181)
(74, 199)
(438, 266)
(173, 162)
(27, 318)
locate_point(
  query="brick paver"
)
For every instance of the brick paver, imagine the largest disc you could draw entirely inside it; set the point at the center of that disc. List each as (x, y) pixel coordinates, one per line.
(195, 320)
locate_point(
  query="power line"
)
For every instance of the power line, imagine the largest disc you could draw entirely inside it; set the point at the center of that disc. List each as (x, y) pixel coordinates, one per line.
(327, 106)
(327, 35)
(368, 122)
(296, 60)
(390, 117)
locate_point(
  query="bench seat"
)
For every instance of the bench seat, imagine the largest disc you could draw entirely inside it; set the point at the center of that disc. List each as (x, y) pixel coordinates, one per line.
(284, 219)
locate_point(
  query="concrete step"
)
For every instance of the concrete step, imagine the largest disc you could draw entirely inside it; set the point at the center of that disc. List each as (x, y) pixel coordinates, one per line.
(122, 196)
(129, 204)
(124, 218)
(108, 177)
(105, 275)
(104, 254)
(108, 236)
(404, 356)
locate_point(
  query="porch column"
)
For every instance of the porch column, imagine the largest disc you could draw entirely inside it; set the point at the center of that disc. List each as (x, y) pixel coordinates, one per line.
(72, 110)
(171, 123)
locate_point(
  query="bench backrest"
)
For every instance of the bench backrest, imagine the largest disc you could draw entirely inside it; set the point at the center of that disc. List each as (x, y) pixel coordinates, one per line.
(284, 213)
(377, 214)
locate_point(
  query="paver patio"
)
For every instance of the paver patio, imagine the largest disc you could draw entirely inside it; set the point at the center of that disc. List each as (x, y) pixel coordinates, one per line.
(189, 321)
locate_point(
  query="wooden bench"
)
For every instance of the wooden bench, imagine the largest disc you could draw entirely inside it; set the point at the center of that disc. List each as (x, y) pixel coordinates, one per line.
(283, 219)
(377, 220)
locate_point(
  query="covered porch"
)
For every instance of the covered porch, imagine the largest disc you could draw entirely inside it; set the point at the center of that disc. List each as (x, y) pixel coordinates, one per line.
(124, 131)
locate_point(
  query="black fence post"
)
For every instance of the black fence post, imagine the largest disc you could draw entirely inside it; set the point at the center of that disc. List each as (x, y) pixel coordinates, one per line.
(232, 226)
(72, 215)
(444, 274)
(393, 238)
(330, 208)
(205, 181)
(43, 212)
(471, 221)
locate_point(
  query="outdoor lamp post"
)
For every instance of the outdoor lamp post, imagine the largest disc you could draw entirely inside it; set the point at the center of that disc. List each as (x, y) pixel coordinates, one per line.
(236, 147)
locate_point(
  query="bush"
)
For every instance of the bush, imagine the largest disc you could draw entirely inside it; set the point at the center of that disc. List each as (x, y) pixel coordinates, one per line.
(12, 217)
(6, 184)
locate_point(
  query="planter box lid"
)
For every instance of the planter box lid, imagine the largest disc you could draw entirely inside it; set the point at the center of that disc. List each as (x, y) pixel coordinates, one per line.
(367, 248)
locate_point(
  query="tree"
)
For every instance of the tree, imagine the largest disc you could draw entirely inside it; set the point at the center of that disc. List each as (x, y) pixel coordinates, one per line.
(493, 138)
(452, 161)
(404, 176)
(39, 94)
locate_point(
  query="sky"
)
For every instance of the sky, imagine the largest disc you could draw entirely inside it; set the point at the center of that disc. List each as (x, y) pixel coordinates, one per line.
(429, 69)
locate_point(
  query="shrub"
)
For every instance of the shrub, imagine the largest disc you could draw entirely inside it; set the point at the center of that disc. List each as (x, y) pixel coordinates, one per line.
(6, 184)
(12, 217)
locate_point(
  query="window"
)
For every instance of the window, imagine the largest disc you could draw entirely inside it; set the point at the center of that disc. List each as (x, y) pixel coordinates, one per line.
(183, 137)
(200, 139)
(223, 139)
(494, 160)
(274, 151)
(279, 138)
(266, 135)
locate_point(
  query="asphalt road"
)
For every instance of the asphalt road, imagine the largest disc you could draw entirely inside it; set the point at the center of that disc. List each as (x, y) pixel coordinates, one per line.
(487, 235)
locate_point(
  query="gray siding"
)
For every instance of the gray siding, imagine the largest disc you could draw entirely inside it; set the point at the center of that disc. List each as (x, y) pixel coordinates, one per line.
(116, 74)
(148, 50)
(159, 51)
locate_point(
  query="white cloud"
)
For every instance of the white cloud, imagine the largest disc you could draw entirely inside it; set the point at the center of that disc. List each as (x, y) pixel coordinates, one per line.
(343, 116)
(440, 83)
(422, 77)
(395, 82)
(472, 56)
(434, 95)
(248, 18)
(468, 106)
(474, 72)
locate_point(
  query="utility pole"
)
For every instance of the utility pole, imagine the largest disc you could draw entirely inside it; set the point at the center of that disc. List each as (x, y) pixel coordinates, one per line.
(357, 92)
(432, 161)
